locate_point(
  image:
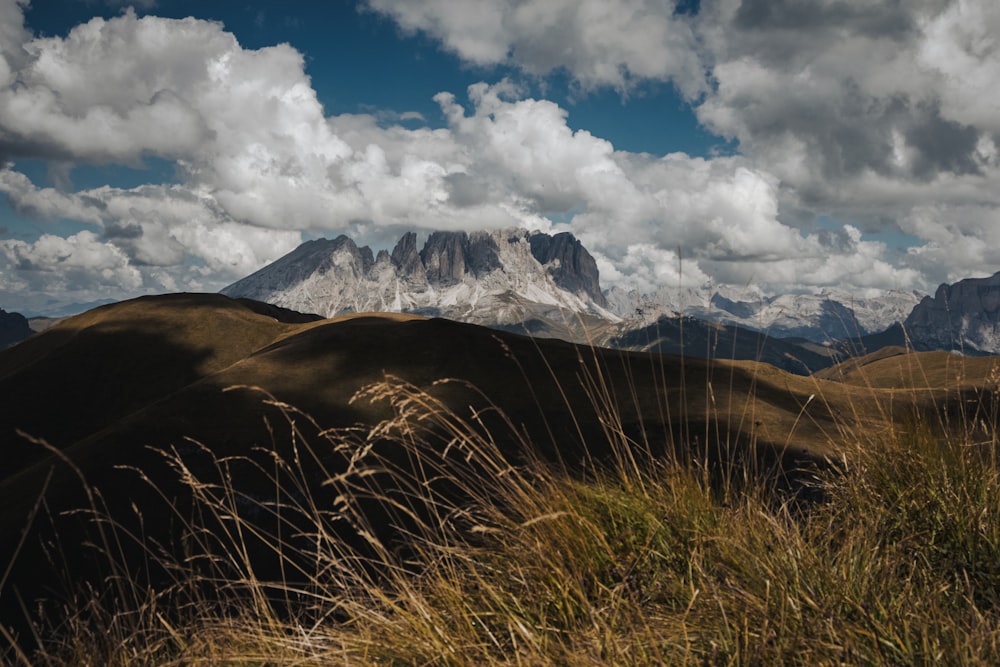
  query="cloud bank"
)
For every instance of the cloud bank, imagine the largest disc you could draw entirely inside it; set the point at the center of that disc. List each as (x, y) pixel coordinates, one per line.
(884, 116)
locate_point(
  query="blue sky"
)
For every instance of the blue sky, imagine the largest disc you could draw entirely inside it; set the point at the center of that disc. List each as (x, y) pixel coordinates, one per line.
(177, 145)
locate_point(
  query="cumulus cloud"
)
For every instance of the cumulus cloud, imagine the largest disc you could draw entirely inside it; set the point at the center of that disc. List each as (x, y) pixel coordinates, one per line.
(842, 109)
(869, 112)
(599, 43)
(863, 111)
(158, 226)
(80, 267)
(957, 237)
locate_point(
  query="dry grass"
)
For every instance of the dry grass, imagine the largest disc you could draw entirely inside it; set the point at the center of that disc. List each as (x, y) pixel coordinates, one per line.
(439, 548)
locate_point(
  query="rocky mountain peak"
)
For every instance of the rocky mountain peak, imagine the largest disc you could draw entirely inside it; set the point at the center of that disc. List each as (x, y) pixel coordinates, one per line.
(406, 258)
(569, 263)
(455, 273)
(961, 316)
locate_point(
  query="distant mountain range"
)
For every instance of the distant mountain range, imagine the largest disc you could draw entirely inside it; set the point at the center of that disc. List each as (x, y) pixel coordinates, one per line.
(549, 285)
(499, 277)
(823, 317)
(57, 309)
(515, 278)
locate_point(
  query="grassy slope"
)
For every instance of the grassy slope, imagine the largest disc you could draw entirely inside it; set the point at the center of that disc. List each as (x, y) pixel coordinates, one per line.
(92, 369)
(895, 368)
(206, 344)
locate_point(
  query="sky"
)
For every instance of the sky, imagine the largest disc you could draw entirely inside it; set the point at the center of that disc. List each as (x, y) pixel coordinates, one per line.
(778, 145)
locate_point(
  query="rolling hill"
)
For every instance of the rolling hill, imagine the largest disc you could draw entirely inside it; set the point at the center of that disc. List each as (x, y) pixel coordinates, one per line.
(206, 376)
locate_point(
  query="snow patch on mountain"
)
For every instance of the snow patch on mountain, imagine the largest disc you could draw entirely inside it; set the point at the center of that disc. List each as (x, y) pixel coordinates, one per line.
(820, 317)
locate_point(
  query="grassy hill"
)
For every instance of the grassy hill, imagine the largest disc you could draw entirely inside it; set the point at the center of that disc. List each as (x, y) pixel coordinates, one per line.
(252, 444)
(897, 368)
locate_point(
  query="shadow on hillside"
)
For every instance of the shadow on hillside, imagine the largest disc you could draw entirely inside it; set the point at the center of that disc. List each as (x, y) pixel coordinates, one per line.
(83, 382)
(124, 395)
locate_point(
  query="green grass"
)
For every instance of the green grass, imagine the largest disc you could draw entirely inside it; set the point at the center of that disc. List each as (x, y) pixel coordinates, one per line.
(464, 557)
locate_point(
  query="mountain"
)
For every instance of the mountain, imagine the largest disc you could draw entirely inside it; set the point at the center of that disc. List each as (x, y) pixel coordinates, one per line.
(694, 337)
(963, 316)
(14, 328)
(549, 285)
(503, 278)
(57, 309)
(822, 317)
(224, 386)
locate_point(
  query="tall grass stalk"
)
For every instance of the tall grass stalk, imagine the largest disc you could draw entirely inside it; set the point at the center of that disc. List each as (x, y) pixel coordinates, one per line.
(441, 544)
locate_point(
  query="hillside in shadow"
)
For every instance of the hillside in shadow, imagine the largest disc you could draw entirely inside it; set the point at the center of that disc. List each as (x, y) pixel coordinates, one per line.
(204, 377)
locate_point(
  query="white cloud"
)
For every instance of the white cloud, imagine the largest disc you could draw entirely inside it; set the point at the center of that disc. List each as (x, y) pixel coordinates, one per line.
(79, 264)
(854, 111)
(858, 111)
(862, 110)
(153, 236)
(962, 240)
(43, 203)
(599, 43)
(960, 47)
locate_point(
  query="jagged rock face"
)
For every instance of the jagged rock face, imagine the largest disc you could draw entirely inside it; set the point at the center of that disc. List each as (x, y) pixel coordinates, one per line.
(963, 316)
(570, 265)
(13, 328)
(406, 258)
(485, 277)
(443, 257)
(448, 257)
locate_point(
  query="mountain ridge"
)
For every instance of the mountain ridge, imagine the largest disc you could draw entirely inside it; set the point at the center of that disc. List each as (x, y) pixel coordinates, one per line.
(14, 328)
(536, 282)
(493, 277)
(962, 316)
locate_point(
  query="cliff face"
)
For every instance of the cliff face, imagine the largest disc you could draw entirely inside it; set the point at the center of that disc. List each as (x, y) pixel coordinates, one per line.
(406, 258)
(570, 265)
(962, 316)
(481, 277)
(448, 257)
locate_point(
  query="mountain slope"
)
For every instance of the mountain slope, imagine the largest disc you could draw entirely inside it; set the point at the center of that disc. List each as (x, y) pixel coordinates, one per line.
(87, 371)
(963, 316)
(899, 368)
(709, 340)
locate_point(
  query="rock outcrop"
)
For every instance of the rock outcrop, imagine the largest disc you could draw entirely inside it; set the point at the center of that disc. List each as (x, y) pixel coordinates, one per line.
(964, 316)
(570, 265)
